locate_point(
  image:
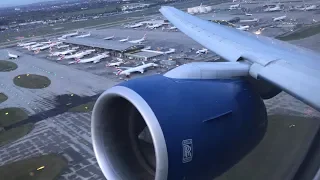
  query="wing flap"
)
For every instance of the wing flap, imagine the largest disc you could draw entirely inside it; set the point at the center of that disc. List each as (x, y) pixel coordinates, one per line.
(293, 79)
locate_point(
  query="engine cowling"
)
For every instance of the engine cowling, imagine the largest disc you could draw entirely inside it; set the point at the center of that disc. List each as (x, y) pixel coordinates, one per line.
(161, 128)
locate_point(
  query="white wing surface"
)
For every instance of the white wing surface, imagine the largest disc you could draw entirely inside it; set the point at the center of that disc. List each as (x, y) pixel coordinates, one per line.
(294, 69)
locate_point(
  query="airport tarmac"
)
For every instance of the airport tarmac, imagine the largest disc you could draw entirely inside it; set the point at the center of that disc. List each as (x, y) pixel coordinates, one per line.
(64, 80)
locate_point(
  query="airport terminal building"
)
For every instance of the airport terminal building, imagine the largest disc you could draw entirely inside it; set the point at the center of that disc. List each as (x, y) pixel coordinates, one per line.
(115, 48)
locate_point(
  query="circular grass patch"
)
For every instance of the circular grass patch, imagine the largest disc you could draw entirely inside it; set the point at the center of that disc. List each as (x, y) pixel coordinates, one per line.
(9, 116)
(42, 167)
(32, 81)
(3, 97)
(6, 66)
(14, 133)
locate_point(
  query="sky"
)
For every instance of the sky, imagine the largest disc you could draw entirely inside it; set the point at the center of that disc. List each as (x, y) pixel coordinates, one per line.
(5, 3)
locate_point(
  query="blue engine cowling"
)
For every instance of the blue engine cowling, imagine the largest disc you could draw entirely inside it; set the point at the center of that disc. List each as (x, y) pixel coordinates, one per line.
(197, 129)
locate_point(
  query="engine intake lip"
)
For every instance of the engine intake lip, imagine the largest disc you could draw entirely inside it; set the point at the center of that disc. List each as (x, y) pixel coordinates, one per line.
(104, 161)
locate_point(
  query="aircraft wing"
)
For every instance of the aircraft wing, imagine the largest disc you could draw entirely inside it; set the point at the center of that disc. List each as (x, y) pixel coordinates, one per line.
(124, 67)
(295, 70)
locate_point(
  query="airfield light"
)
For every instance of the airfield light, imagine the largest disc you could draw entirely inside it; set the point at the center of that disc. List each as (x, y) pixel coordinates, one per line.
(27, 74)
(18, 77)
(71, 94)
(7, 113)
(39, 168)
(86, 107)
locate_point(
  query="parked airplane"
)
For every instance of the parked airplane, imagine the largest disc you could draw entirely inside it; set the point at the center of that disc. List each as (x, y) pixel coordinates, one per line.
(173, 115)
(26, 44)
(70, 35)
(58, 53)
(307, 8)
(13, 56)
(115, 64)
(311, 7)
(124, 40)
(94, 59)
(77, 55)
(171, 50)
(109, 38)
(280, 18)
(136, 25)
(154, 26)
(248, 20)
(235, 6)
(33, 46)
(139, 41)
(170, 28)
(202, 51)
(84, 35)
(273, 9)
(243, 28)
(46, 46)
(63, 46)
(129, 70)
(46, 42)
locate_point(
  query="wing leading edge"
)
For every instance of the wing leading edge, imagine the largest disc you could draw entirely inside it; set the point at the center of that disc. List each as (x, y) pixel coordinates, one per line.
(294, 69)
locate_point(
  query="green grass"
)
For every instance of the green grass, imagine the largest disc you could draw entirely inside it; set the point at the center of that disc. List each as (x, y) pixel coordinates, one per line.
(27, 169)
(14, 133)
(6, 66)
(83, 108)
(3, 97)
(283, 147)
(105, 9)
(300, 33)
(9, 116)
(32, 81)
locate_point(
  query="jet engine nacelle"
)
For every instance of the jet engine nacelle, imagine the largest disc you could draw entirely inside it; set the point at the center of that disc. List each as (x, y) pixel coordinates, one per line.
(171, 129)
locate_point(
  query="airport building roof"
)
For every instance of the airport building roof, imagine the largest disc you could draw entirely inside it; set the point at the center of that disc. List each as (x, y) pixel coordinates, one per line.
(100, 43)
(146, 54)
(142, 55)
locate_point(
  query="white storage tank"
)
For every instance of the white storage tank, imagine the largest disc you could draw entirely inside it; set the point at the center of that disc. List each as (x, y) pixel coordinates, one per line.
(195, 10)
(190, 10)
(208, 8)
(202, 9)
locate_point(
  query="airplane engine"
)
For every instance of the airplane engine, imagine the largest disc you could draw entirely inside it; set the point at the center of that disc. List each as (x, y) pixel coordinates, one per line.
(162, 128)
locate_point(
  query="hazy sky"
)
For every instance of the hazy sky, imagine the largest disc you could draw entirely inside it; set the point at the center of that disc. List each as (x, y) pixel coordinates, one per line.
(18, 2)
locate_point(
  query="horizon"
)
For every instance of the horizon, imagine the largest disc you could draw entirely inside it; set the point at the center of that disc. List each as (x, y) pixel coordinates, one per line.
(12, 3)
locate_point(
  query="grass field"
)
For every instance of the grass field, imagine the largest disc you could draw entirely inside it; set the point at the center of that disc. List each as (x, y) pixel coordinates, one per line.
(3, 97)
(9, 116)
(6, 66)
(279, 153)
(301, 33)
(14, 133)
(46, 167)
(83, 108)
(32, 81)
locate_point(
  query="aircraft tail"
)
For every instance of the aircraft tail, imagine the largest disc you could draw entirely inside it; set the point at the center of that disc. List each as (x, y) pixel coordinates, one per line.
(37, 51)
(118, 71)
(61, 57)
